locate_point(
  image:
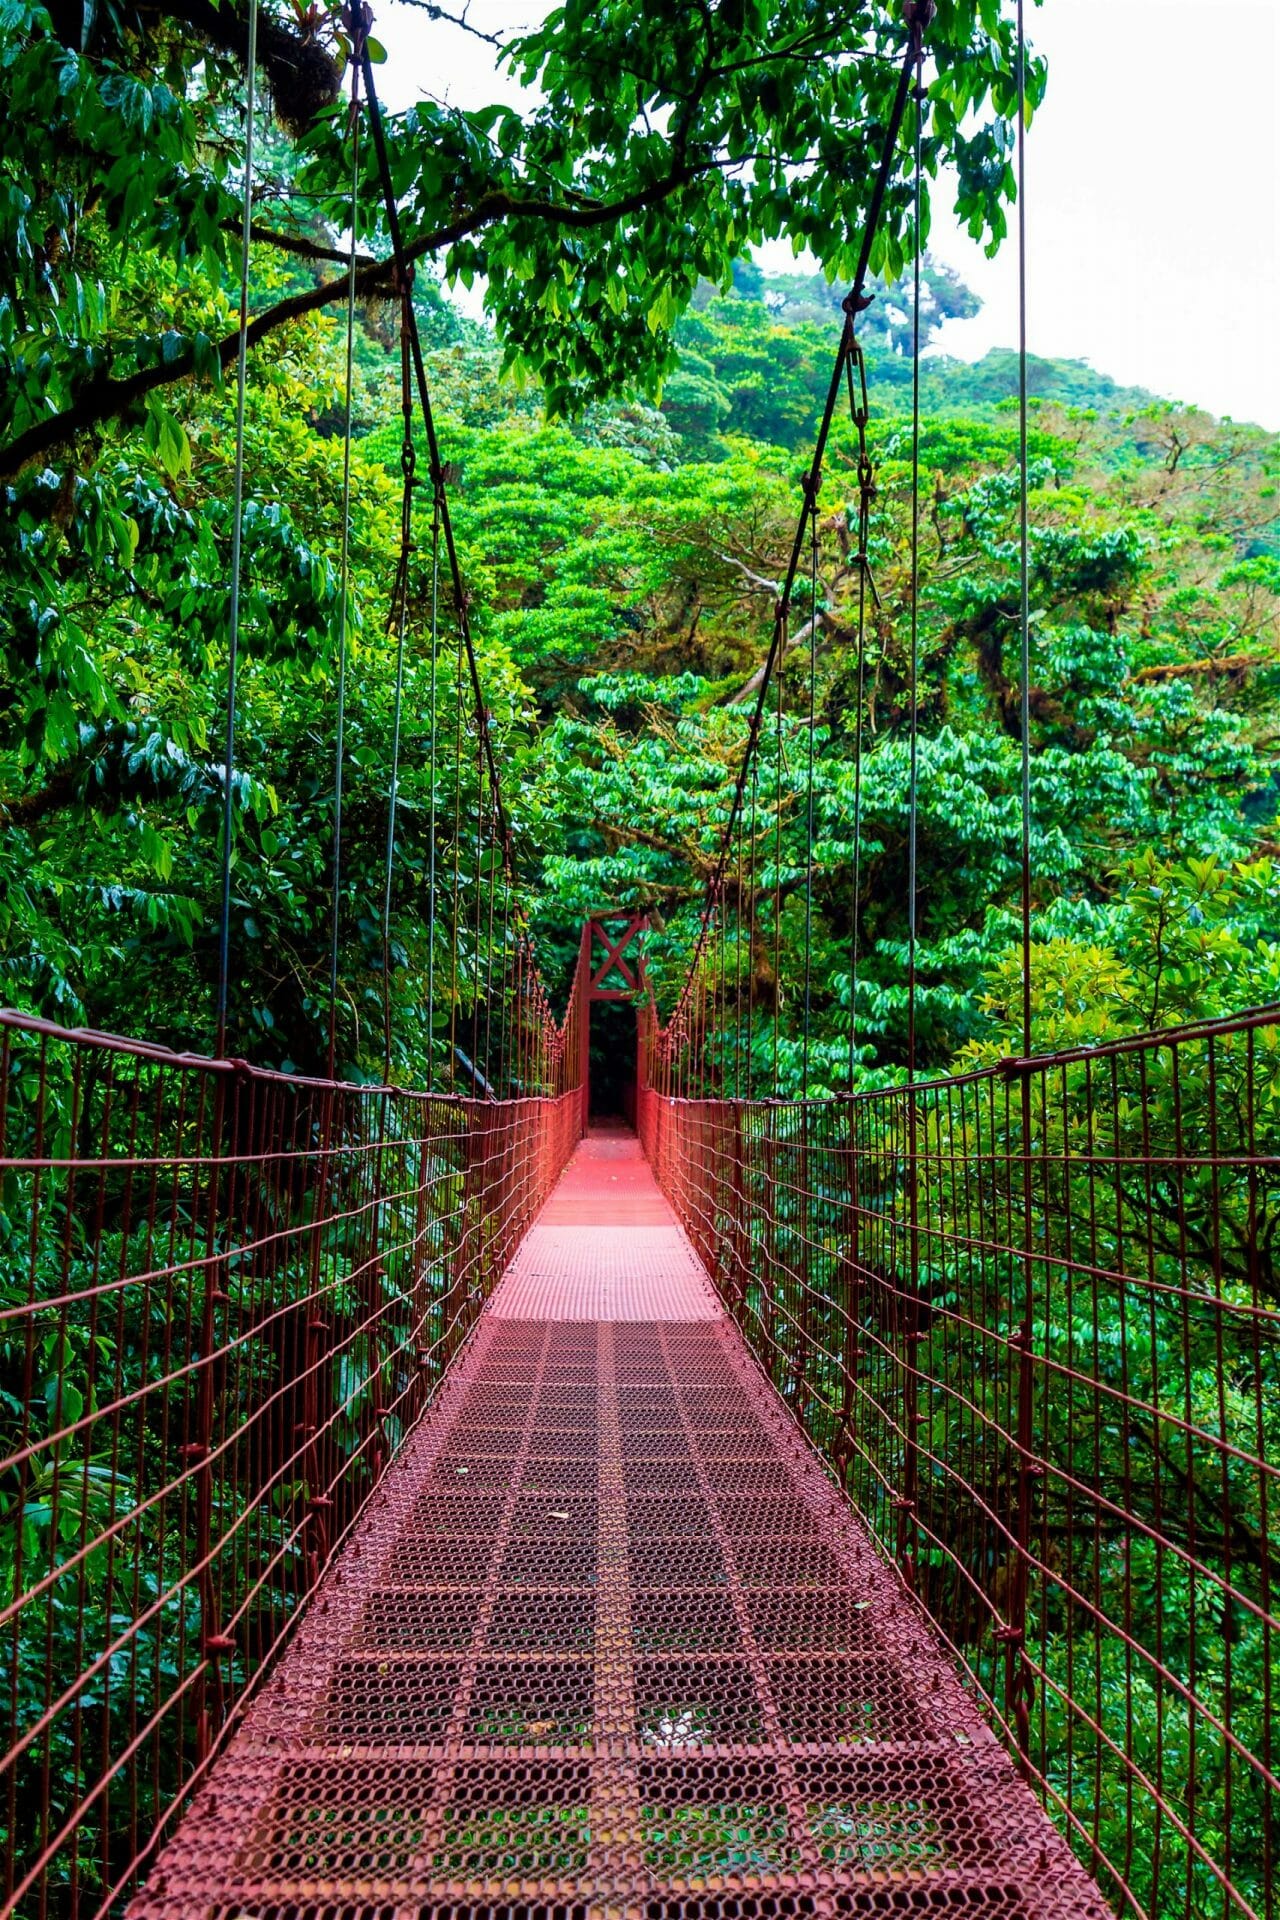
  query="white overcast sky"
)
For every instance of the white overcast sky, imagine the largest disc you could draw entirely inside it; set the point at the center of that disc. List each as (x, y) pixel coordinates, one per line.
(1153, 189)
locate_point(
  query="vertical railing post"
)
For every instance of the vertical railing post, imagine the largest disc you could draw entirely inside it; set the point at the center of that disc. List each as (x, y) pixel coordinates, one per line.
(741, 1235)
(801, 1391)
(373, 1283)
(319, 1502)
(907, 1318)
(462, 1240)
(208, 1710)
(769, 1280)
(1018, 1681)
(424, 1237)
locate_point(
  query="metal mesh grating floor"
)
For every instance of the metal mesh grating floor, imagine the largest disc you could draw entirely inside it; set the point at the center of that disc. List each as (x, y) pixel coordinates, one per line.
(608, 1642)
(597, 1273)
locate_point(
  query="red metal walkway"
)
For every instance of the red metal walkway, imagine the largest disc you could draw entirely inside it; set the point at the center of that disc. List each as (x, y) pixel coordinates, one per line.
(608, 1642)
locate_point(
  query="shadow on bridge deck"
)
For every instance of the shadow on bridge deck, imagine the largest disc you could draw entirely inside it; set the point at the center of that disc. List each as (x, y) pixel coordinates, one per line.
(608, 1641)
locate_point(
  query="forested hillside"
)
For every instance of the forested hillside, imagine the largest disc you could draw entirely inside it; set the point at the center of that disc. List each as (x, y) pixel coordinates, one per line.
(625, 440)
(621, 561)
(623, 571)
(631, 580)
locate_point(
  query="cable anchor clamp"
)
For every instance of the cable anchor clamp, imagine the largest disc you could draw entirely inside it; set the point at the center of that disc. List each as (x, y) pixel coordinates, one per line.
(919, 15)
(357, 18)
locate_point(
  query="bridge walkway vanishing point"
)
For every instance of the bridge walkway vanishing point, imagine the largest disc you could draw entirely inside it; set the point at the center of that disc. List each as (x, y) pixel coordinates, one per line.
(609, 1642)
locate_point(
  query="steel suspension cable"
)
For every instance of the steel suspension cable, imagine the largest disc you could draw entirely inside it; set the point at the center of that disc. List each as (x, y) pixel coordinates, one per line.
(344, 584)
(461, 603)
(474, 1041)
(777, 889)
(906, 1309)
(913, 776)
(856, 904)
(397, 622)
(491, 875)
(753, 873)
(810, 849)
(510, 976)
(426, 408)
(741, 998)
(1024, 568)
(237, 537)
(456, 900)
(432, 765)
(393, 796)
(860, 415)
(1020, 1686)
(918, 14)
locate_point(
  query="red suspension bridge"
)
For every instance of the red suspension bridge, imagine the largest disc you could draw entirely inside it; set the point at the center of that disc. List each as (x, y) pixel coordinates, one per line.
(426, 1506)
(420, 1504)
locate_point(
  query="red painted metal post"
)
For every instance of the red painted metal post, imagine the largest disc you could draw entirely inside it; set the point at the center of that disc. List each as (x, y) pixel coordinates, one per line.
(582, 1014)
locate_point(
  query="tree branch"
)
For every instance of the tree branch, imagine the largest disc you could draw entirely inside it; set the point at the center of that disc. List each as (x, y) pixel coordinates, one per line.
(757, 580)
(27, 809)
(298, 245)
(1231, 663)
(104, 399)
(460, 20)
(797, 639)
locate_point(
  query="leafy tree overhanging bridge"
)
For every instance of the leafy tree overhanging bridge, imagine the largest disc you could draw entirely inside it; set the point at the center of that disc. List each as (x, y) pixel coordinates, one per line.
(423, 1503)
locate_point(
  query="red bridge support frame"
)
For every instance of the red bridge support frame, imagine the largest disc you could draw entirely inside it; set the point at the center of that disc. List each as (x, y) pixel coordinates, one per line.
(619, 975)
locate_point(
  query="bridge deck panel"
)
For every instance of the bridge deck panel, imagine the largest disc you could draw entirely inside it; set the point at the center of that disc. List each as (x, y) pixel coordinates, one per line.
(609, 1641)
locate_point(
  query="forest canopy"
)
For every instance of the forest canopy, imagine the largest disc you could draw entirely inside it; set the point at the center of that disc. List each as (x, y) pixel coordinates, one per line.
(623, 431)
(624, 437)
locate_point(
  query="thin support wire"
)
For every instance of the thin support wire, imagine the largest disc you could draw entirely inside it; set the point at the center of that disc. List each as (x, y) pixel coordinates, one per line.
(393, 798)
(1020, 1686)
(1024, 568)
(777, 886)
(431, 776)
(913, 671)
(810, 847)
(920, 12)
(237, 541)
(344, 583)
(908, 1309)
(859, 412)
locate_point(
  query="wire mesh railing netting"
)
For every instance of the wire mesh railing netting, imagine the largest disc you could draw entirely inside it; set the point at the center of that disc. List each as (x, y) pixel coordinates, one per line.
(226, 1297)
(1032, 1316)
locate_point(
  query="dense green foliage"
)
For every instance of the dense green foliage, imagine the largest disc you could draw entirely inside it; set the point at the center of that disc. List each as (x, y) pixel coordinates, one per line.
(621, 566)
(624, 506)
(622, 571)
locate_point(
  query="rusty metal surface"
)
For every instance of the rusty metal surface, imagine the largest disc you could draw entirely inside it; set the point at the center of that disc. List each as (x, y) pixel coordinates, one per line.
(609, 1641)
(605, 1273)
(225, 1296)
(1030, 1316)
(606, 1247)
